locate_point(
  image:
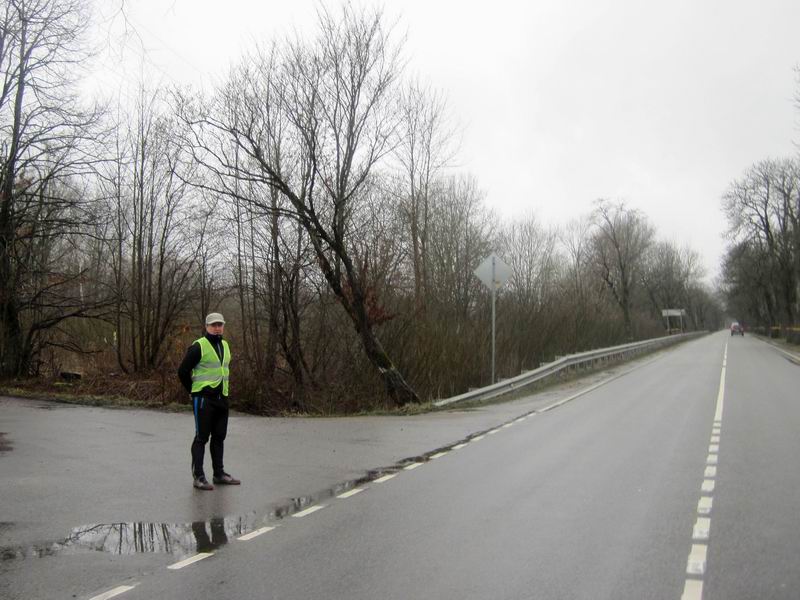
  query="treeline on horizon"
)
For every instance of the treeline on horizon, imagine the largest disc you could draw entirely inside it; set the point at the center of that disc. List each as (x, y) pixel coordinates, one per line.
(311, 199)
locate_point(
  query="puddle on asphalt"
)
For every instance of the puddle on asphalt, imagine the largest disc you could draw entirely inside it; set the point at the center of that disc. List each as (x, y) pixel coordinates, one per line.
(185, 539)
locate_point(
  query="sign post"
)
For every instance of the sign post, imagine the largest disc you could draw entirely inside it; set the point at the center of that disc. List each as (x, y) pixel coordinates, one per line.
(673, 312)
(493, 272)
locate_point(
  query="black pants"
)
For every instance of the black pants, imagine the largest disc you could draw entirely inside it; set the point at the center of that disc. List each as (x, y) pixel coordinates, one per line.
(210, 420)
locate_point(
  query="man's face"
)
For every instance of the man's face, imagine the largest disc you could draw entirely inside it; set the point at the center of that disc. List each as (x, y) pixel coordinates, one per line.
(215, 328)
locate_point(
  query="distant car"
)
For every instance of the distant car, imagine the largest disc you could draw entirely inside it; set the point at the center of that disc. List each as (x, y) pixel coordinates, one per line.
(736, 329)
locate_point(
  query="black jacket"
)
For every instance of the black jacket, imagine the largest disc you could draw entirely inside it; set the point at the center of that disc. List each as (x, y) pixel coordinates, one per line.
(193, 355)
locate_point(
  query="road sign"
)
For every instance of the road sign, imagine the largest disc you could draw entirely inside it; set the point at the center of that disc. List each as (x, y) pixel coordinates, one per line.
(493, 272)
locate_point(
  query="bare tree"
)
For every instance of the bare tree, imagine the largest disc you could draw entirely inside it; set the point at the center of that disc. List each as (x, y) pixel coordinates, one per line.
(46, 151)
(424, 148)
(763, 209)
(621, 240)
(312, 122)
(158, 234)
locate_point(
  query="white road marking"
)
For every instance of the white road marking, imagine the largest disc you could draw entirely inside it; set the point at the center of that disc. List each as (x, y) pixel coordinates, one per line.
(478, 439)
(190, 561)
(715, 431)
(458, 446)
(715, 439)
(711, 471)
(386, 478)
(438, 455)
(705, 504)
(412, 466)
(693, 590)
(721, 394)
(310, 510)
(696, 565)
(492, 431)
(351, 493)
(507, 425)
(520, 420)
(708, 486)
(702, 529)
(255, 534)
(115, 592)
(712, 459)
(713, 448)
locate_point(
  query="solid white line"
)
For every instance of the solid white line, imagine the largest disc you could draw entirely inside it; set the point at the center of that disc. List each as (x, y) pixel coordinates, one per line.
(721, 394)
(412, 466)
(711, 471)
(190, 561)
(712, 459)
(115, 592)
(594, 387)
(705, 505)
(255, 534)
(351, 493)
(507, 425)
(708, 485)
(310, 510)
(713, 448)
(520, 420)
(458, 446)
(702, 529)
(386, 478)
(492, 431)
(696, 565)
(438, 455)
(693, 590)
(478, 439)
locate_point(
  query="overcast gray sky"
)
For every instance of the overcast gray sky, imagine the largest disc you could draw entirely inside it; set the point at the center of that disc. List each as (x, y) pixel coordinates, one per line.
(660, 104)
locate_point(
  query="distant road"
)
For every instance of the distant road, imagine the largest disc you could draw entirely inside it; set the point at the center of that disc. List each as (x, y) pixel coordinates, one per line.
(663, 483)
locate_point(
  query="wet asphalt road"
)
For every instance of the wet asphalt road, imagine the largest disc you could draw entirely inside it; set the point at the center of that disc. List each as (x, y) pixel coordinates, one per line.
(597, 498)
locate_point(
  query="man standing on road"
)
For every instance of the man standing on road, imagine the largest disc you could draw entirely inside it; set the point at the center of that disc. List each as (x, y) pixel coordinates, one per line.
(204, 373)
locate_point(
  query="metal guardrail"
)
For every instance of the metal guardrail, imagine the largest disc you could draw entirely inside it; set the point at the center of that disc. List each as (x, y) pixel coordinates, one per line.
(570, 361)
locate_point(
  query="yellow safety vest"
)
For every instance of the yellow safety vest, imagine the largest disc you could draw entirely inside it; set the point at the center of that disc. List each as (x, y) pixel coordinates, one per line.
(209, 372)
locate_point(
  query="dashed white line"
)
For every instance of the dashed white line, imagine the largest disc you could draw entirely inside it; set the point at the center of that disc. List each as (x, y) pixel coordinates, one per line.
(715, 439)
(438, 455)
(412, 466)
(458, 446)
(705, 505)
(708, 486)
(190, 561)
(112, 593)
(702, 529)
(696, 565)
(507, 425)
(492, 431)
(309, 511)
(713, 448)
(350, 493)
(715, 431)
(386, 478)
(712, 459)
(711, 471)
(693, 590)
(255, 534)
(478, 439)
(520, 420)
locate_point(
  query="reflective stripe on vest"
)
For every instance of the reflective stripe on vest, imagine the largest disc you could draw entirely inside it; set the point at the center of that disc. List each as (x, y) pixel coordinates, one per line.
(209, 372)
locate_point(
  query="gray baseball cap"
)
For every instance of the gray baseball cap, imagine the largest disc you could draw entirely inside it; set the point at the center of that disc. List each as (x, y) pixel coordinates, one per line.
(215, 318)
